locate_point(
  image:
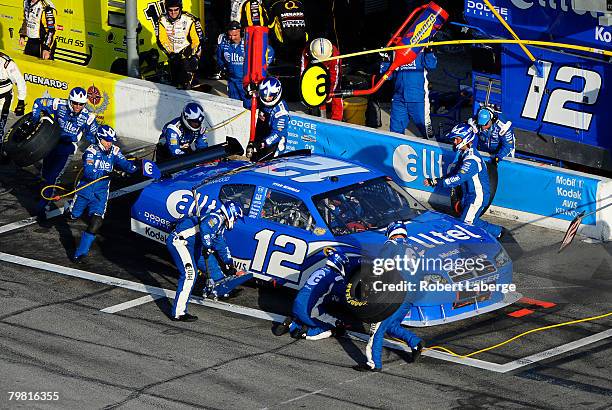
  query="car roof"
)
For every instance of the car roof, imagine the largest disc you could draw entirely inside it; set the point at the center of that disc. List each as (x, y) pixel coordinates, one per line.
(313, 174)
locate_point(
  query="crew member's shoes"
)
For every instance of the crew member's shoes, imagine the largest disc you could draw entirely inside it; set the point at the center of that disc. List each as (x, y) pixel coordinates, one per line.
(185, 318)
(282, 328)
(77, 259)
(416, 352)
(364, 367)
(299, 332)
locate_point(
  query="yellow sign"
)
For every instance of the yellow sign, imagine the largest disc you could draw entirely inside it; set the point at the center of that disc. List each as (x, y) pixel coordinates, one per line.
(314, 85)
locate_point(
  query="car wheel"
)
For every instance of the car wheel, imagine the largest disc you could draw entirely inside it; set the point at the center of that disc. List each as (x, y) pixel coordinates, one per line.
(28, 142)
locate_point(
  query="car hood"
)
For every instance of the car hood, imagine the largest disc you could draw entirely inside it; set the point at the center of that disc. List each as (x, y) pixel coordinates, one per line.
(433, 234)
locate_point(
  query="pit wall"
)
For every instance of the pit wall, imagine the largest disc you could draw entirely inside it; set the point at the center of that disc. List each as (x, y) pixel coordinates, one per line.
(528, 192)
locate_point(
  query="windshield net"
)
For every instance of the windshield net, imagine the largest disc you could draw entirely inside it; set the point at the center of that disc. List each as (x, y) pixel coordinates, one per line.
(366, 206)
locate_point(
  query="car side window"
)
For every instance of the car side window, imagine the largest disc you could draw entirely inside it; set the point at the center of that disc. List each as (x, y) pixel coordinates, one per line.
(242, 193)
(287, 210)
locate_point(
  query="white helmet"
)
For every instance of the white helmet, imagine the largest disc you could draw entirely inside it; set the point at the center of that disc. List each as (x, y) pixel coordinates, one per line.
(321, 48)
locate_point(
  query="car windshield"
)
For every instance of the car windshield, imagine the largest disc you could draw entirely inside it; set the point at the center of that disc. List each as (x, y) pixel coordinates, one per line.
(366, 206)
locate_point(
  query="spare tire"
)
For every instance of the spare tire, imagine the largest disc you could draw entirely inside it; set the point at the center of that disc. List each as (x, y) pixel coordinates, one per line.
(367, 301)
(28, 141)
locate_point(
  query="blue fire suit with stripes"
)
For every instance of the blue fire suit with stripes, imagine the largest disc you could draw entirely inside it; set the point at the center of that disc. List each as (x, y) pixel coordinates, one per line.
(186, 243)
(97, 163)
(73, 128)
(470, 171)
(230, 57)
(178, 139)
(392, 325)
(410, 100)
(278, 119)
(498, 140)
(325, 285)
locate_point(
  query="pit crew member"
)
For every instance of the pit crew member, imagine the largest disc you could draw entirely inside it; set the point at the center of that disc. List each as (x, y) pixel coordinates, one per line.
(182, 133)
(410, 101)
(9, 75)
(494, 135)
(311, 319)
(253, 13)
(230, 58)
(289, 26)
(274, 114)
(321, 48)
(38, 28)
(179, 35)
(99, 160)
(192, 242)
(469, 172)
(396, 245)
(75, 122)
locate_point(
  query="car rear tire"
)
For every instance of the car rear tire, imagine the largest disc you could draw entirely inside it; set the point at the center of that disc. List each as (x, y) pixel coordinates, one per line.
(27, 142)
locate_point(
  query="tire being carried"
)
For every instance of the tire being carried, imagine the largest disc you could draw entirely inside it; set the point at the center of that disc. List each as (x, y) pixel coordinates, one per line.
(27, 142)
(366, 300)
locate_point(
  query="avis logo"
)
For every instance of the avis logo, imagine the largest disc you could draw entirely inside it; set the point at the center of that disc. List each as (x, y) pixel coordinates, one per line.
(408, 165)
(180, 203)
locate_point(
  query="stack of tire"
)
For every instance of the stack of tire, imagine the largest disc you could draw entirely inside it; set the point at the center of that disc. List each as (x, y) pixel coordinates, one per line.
(29, 141)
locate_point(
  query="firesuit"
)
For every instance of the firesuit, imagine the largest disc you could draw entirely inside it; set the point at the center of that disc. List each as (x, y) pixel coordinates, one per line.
(9, 75)
(393, 324)
(470, 172)
(230, 58)
(73, 127)
(97, 163)
(333, 105)
(253, 13)
(411, 95)
(38, 27)
(181, 39)
(177, 138)
(324, 285)
(277, 120)
(190, 238)
(498, 140)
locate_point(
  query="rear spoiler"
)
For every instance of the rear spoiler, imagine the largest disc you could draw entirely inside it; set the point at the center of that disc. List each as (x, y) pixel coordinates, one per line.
(226, 149)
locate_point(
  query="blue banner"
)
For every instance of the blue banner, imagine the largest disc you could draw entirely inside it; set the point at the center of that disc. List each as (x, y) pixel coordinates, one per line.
(522, 186)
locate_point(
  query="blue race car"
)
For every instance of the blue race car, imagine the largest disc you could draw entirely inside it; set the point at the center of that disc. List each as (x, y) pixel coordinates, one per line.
(297, 206)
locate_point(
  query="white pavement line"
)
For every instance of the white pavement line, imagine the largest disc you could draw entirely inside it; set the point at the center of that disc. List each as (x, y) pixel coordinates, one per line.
(131, 304)
(260, 314)
(556, 351)
(32, 220)
(480, 364)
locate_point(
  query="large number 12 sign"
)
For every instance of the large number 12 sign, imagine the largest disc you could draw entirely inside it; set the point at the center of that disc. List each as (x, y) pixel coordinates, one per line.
(556, 109)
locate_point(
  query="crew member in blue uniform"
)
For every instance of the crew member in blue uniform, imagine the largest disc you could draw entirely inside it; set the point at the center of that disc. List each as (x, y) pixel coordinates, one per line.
(494, 135)
(230, 58)
(75, 122)
(311, 319)
(198, 242)
(410, 101)
(396, 245)
(274, 114)
(469, 172)
(183, 134)
(99, 160)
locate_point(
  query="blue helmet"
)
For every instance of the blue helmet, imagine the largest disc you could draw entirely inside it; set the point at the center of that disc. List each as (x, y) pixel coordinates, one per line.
(465, 132)
(270, 91)
(336, 260)
(484, 115)
(106, 133)
(396, 228)
(77, 95)
(232, 211)
(193, 116)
